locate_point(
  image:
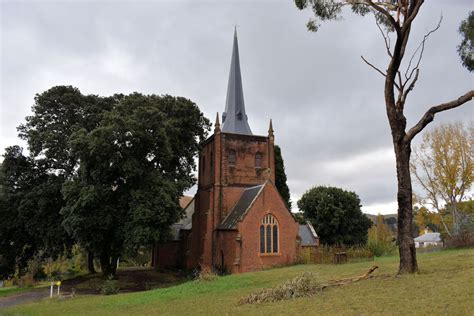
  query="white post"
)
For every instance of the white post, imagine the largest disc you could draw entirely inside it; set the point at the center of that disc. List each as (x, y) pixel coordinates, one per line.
(51, 290)
(59, 286)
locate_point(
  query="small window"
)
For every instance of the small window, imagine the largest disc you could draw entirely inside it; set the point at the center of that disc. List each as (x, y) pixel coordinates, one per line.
(231, 157)
(269, 235)
(258, 160)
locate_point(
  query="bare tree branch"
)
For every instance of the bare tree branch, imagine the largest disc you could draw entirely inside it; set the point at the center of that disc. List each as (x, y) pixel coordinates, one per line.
(378, 70)
(386, 38)
(428, 117)
(422, 47)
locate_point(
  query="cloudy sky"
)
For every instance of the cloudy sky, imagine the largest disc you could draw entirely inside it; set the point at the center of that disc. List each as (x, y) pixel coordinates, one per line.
(326, 104)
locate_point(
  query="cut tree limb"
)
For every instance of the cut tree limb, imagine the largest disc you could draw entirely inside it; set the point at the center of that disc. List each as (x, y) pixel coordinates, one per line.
(352, 280)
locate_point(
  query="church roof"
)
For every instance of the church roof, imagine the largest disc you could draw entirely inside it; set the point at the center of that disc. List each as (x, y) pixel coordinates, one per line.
(234, 119)
(308, 235)
(243, 204)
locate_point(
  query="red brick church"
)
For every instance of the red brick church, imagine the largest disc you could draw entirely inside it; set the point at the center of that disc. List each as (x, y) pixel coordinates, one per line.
(237, 220)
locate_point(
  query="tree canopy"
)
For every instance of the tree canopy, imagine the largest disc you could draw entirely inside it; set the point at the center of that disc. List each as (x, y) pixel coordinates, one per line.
(280, 177)
(336, 215)
(466, 48)
(30, 202)
(443, 166)
(123, 162)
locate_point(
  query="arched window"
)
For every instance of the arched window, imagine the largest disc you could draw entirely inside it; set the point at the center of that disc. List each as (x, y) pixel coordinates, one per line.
(258, 160)
(269, 235)
(231, 157)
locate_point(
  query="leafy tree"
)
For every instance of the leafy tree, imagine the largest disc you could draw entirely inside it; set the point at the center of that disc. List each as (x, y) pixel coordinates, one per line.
(443, 165)
(30, 202)
(335, 215)
(57, 114)
(466, 48)
(394, 20)
(133, 168)
(380, 238)
(280, 177)
(299, 217)
(423, 218)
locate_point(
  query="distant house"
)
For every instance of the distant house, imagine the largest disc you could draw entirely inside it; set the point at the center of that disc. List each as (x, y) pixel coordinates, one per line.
(428, 239)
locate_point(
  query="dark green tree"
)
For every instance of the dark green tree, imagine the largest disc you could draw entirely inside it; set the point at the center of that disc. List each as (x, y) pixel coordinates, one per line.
(466, 48)
(133, 168)
(280, 177)
(57, 114)
(335, 215)
(395, 20)
(30, 202)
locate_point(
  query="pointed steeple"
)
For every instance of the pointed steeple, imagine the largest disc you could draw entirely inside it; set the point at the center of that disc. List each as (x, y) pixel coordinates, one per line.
(234, 119)
(217, 125)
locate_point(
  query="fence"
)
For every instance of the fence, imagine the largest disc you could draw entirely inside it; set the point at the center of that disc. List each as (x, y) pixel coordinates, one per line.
(463, 240)
(327, 255)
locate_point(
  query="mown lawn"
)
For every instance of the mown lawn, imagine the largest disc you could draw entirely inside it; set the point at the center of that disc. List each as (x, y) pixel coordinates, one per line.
(445, 286)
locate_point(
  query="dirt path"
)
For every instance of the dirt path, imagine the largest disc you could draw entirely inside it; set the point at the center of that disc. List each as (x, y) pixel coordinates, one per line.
(24, 297)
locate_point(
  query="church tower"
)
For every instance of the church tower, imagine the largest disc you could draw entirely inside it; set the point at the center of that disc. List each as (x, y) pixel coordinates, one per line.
(231, 161)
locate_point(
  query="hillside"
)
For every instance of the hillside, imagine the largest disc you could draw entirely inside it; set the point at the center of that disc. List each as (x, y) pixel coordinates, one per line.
(444, 286)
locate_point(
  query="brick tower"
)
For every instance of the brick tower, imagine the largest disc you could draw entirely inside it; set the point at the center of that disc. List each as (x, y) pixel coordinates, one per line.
(230, 161)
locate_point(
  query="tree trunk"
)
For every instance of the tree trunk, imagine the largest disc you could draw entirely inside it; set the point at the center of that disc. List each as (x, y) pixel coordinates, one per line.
(108, 265)
(408, 263)
(90, 262)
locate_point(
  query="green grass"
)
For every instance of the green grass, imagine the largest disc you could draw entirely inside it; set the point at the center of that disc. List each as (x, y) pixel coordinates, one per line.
(444, 286)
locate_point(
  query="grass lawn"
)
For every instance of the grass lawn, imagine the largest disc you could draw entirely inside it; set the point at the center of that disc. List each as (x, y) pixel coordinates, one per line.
(445, 286)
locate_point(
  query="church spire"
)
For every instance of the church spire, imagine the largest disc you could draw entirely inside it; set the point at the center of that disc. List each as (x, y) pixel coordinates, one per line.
(234, 119)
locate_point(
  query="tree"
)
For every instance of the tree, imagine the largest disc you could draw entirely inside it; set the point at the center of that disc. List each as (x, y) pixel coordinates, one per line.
(443, 165)
(380, 240)
(57, 114)
(336, 215)
(395, 17)
(466, 48)
(280, 177)
(133, 168)
(30, 202)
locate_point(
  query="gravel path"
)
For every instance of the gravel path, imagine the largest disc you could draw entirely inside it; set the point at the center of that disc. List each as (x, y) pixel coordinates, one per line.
(22, 298)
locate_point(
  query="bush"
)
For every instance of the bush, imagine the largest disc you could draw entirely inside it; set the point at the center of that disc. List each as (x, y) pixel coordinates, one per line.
(381, 248)
(302, 285)
(110, 286)
(206, 275)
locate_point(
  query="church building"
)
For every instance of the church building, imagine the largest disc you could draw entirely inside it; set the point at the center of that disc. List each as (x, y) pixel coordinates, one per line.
(237, 221)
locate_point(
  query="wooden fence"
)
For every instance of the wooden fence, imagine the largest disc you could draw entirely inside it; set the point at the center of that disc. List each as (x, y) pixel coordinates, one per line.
(328, 255)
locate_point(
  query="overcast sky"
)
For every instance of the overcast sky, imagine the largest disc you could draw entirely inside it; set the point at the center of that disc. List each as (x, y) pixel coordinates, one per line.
(326, 104)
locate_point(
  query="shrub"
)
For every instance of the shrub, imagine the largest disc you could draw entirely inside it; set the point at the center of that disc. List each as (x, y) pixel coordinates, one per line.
(110, 286)
(206, 275)
(302, 285)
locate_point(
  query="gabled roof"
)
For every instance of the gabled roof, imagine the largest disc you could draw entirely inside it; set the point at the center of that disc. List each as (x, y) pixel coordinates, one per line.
(234, 119)
(308, 235)
(240, 208)
(428, 237)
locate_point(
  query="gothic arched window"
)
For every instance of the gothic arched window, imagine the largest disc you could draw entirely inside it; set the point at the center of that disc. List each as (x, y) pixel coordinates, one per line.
(258, 160)
(269, 235)
(231, 157)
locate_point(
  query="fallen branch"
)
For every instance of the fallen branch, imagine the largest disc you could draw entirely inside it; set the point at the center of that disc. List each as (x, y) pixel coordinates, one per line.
(352, 280)
(301, 286)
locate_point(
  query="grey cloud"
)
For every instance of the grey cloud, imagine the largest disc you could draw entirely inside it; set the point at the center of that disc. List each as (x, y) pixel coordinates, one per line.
(326, 104)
